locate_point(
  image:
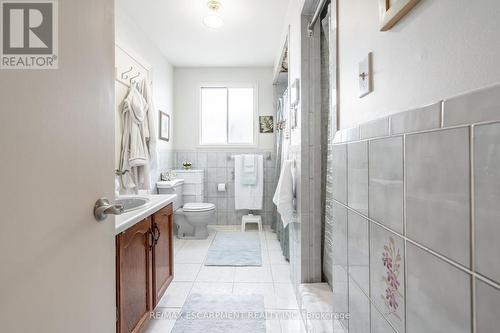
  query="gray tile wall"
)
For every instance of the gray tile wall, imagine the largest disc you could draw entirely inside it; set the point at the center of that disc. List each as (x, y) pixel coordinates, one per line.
(219, 168)
(415, 211)
(487, 199)
(165, 162)
(326, 114)
(357, 176)
(437, 191)
(386, 182)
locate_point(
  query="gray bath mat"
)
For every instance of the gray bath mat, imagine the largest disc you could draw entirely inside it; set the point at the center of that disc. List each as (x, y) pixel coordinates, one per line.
(235, 249)
(222, 314)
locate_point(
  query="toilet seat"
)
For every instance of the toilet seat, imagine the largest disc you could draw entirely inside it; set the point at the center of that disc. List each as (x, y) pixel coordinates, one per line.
(198, 207)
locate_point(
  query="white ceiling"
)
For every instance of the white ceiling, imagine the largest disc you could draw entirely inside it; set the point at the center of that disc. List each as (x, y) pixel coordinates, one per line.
(250, 37)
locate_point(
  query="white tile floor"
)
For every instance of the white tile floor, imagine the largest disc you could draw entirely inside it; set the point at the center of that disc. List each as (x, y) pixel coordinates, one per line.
(272, 280)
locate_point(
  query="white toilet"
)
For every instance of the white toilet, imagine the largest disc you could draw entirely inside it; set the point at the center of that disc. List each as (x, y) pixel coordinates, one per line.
(191, 214)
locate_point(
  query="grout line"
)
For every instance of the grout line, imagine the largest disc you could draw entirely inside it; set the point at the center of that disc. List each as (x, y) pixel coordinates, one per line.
(425, 248)
(472, 227)
(489, 122)
(369, 226)
(405, 232)
(350, 278)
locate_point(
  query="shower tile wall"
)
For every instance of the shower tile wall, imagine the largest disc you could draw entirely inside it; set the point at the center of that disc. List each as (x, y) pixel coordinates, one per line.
(219, 168)
(416, 219)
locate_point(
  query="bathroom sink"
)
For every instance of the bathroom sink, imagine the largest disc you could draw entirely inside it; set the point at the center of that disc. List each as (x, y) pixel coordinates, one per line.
(130, 204)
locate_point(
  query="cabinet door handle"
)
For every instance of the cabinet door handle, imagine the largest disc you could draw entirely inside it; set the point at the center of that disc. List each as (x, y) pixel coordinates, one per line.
(157, 230)
(151, 239)
(103, 208)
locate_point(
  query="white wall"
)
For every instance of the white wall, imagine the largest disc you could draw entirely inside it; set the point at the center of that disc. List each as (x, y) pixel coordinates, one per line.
(442, 48)
(187, 111)
(131, 37)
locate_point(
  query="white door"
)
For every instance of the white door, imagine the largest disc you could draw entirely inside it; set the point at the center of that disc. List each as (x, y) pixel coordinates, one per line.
(57, 270)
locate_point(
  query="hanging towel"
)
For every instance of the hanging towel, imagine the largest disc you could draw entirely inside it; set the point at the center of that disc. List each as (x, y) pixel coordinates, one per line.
(248, 196)
(249, 174)
(134, 154)
(284, 197)
(150, 131)
(249, 162)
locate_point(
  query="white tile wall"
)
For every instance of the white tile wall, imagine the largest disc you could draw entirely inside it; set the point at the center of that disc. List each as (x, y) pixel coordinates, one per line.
(219, 168)
(440, 210)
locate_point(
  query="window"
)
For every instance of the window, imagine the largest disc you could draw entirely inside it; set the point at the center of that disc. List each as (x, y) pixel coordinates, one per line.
(227, 115)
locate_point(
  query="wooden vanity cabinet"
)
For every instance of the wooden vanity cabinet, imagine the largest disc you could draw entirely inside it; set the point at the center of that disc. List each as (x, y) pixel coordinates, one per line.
(134, 277)
(144, 269)
(163, 271)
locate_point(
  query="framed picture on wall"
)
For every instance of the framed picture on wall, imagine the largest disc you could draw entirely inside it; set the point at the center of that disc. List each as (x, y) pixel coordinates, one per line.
(164, 126)
(266, 124)
(392, 11)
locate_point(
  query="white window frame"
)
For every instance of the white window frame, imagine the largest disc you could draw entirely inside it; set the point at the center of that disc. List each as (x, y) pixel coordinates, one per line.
(230, 85)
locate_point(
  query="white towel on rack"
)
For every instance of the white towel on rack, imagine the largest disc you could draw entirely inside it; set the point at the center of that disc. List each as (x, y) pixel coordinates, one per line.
(249, 174)
(248, 196)
(249, 162)
(284, 197)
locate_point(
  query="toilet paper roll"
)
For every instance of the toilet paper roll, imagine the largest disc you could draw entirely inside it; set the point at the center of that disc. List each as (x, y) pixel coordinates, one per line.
(221, 188)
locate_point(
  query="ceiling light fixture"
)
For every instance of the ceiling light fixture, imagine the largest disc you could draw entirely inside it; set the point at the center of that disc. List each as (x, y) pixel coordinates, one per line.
(213, 20)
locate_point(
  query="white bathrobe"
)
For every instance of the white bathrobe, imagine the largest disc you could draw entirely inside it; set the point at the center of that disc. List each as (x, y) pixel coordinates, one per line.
(134, 155)
(150, 130)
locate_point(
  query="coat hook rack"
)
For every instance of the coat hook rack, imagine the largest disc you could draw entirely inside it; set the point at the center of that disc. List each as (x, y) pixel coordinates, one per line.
(125, 74)
(132, 79)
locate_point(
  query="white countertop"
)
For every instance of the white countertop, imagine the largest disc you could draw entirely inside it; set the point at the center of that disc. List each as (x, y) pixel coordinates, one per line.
(156, 202)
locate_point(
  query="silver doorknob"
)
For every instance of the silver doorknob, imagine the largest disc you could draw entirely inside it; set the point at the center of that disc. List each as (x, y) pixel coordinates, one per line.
(103, 208)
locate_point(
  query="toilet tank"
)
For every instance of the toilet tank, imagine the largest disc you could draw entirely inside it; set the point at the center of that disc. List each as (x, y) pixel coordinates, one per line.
(172, 187)
(194, 186)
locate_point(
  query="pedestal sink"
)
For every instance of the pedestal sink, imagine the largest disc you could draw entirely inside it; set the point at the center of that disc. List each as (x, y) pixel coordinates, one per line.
(132, 203)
